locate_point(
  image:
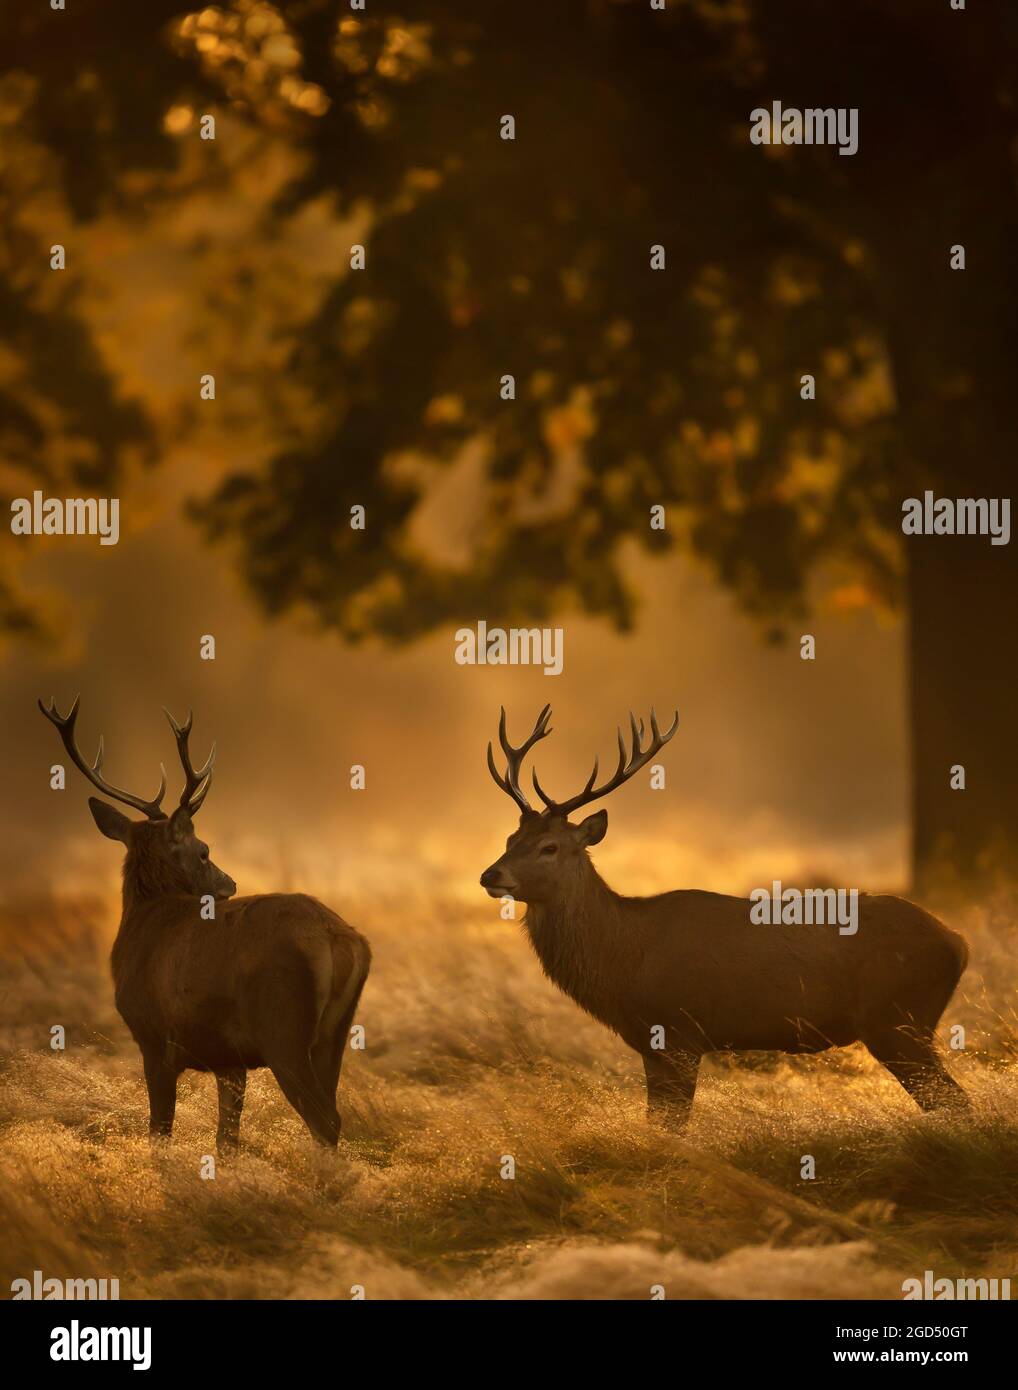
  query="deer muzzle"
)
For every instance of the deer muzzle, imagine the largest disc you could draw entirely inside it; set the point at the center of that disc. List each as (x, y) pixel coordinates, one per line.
(497, 880)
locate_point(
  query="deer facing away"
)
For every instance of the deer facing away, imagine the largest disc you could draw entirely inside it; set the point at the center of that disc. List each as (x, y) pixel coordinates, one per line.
(692, 966)
(271, 981)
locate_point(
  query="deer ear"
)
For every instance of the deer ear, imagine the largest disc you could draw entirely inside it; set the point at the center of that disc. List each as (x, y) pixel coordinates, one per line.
(592, 830)
(180, 823)
(109, 820)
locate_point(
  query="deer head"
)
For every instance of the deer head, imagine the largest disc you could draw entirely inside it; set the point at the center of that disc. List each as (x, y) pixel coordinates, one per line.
(547, 848)
(164, 855)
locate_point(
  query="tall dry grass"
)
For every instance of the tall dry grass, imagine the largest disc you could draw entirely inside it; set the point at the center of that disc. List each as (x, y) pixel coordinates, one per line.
(471, 1055)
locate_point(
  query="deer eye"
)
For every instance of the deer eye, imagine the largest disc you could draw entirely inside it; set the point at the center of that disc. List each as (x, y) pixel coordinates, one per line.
(548, 849)
(203, 853)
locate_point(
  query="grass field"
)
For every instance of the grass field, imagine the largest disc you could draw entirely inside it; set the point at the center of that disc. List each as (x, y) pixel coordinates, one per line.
(471, 1055)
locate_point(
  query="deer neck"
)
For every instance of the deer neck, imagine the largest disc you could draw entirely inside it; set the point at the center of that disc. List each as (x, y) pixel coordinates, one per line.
(146, 876)
(581, 942)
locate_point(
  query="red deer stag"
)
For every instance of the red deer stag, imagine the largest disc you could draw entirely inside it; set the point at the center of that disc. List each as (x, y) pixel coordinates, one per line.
(268, 981)
(681, 974)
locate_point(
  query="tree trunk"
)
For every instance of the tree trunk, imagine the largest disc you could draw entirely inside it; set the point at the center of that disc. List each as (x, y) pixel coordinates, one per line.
(952, 333)
(963, 624)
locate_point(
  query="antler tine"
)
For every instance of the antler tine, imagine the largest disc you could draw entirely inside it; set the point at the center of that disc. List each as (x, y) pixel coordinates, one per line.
(64, 725)
(504, 782)
(510, 782)
(196, 784)
(629, 763)
(637, 733)
(97, 767)
(540, 731)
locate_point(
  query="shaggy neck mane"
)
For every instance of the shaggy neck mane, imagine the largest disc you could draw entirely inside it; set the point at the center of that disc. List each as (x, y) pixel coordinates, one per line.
(147, 874)
(581, 940)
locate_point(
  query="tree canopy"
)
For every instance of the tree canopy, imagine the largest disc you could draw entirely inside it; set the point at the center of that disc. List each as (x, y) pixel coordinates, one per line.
(530, 257)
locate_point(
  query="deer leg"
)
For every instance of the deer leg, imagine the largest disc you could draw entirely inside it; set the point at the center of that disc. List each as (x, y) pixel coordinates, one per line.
(912, 1060)
(286, 1041)
(161, 1081)
(327, 1060)
(671, 1085)
(327, 1056)
(298, 1082)
(231, 1085)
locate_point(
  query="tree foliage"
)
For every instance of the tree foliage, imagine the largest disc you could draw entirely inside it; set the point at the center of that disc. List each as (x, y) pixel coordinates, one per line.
(531, 257)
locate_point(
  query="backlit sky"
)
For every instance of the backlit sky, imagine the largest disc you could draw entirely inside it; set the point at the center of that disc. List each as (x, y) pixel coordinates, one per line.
(779, 767)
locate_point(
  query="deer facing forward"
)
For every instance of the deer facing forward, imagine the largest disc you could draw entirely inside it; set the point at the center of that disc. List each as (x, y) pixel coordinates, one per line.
(681, 974)
(267, 981)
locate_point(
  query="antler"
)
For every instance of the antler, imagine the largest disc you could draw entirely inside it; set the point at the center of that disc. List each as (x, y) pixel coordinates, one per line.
(65, 727)
(194, 782)
(629, 763)
(510, 783)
